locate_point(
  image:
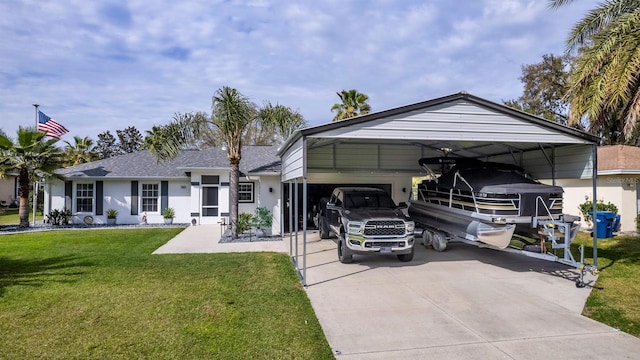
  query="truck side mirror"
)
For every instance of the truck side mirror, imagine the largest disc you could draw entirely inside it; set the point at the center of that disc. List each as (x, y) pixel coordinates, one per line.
(331, 206)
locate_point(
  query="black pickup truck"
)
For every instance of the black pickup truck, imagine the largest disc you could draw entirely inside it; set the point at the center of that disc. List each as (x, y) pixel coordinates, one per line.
(366, 221)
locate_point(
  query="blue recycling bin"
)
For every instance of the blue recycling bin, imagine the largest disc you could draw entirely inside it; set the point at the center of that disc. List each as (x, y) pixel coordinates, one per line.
(616, 224)
(605, 220)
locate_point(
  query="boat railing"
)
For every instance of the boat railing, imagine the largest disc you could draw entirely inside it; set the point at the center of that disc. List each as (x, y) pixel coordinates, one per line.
(540, 200)
(455, 181)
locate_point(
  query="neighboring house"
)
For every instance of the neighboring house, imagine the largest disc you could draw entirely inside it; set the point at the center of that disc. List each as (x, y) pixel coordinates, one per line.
(8, 190)
(617, 183)
(195, 185)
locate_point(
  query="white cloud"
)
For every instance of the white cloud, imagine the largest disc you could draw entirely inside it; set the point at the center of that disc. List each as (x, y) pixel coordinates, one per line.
(103, 66)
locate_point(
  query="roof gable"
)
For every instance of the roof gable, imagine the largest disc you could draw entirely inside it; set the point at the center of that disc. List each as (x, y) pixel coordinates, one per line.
(461, 116)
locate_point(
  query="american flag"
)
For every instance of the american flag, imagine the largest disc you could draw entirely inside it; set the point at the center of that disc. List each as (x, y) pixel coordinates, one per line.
(50, 126)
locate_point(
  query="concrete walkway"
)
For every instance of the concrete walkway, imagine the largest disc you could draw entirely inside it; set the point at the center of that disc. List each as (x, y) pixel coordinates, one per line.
(464, 303)
(205, 239)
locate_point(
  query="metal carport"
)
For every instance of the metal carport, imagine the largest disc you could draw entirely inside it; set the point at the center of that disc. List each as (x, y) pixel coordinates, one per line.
(392, 141)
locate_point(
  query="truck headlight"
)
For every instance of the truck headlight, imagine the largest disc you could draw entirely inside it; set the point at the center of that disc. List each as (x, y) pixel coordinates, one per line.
(354, 226)
(410, 227)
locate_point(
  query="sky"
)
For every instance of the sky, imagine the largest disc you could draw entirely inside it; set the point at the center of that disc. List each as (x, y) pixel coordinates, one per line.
(106, 65)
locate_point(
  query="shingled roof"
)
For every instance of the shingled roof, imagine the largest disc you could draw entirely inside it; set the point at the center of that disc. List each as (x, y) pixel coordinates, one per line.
(618, 159)
(142, 164)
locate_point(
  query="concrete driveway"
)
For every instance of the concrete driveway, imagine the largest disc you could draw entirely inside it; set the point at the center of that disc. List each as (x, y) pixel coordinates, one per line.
(464, 303)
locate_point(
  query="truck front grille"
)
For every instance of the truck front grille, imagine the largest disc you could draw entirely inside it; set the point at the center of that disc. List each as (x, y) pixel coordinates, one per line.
(384, 228)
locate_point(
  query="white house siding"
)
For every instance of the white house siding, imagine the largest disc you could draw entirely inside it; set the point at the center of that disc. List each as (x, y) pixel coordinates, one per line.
(116, 195)
(179, 200)
(265, 198)
(7, 189)
(54, 195)
(618, 190)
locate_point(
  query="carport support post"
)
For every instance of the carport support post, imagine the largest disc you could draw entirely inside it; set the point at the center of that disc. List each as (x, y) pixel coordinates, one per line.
(594, 200)
(304, 231)
(295, 212)
(291, 220)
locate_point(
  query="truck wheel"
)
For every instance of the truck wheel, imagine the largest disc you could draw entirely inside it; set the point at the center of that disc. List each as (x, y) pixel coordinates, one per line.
(406, 257)
(344, 255)
(439, 241)
(323, 229)
(427, 238)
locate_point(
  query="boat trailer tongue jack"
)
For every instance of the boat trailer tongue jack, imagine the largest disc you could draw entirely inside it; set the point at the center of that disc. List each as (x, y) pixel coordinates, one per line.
(583, 268)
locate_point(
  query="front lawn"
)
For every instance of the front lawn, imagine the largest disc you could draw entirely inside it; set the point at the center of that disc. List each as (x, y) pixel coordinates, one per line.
(10, 217)
(100, 294)
(615, 300)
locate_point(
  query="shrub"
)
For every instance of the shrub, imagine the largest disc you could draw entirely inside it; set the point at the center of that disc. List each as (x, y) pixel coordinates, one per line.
(262, 218)
(112, 213)
(244, 222)
(59, 217)
(587, 207)
(169, 213)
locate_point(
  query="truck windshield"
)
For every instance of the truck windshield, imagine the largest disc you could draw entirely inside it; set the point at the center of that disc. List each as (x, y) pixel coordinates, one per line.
(358, 200)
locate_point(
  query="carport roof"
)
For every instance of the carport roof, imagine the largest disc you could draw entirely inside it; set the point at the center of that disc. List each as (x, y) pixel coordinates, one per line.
(487, 125)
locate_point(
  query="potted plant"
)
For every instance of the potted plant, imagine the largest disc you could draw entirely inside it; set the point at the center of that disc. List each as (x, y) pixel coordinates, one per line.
(168, 214)
(112, 214)
(263, 220)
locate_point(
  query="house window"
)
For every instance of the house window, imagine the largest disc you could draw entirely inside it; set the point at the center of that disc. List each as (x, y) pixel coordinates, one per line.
(84, 198)
(149, 197)
(210, 179)
(245, 192)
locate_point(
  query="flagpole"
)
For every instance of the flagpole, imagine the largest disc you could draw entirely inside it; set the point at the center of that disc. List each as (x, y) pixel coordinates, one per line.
(36, 106)
(35, 183)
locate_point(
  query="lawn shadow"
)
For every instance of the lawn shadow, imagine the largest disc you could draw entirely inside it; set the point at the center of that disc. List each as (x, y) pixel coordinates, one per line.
(37, 272)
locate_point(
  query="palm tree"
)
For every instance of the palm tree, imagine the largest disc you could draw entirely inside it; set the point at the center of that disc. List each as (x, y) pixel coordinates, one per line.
(606, 78)
(79, 152)
(232, 113)
(282, 118)
(353, 104)
(166, 142)
(31, 156)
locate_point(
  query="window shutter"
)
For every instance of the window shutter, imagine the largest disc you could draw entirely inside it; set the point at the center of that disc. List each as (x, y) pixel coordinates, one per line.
(99, 197)
(68, 194)
(134, 198)
(164, 195)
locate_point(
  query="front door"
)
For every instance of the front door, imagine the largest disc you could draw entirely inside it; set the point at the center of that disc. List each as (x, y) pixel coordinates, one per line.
(209, 204)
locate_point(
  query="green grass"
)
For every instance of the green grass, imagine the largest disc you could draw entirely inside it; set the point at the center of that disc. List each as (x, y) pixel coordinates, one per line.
(100, 294)
(615, 300)
(10, 217)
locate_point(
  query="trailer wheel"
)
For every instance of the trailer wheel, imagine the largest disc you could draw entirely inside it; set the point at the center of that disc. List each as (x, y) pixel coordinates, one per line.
(344, 255)
(439, 241)
(427, 238)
